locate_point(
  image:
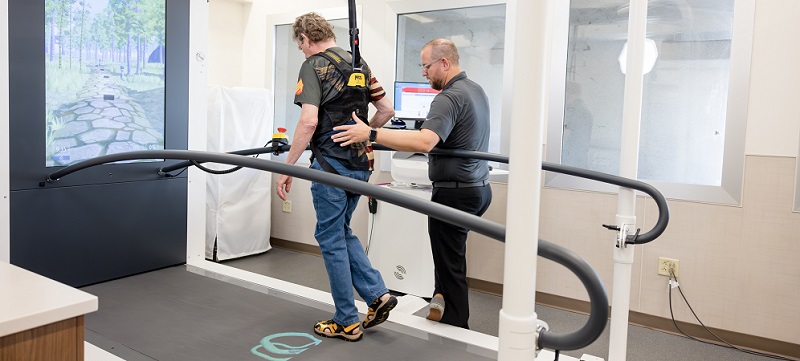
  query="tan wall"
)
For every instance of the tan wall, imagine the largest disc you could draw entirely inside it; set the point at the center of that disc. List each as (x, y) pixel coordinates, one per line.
(738, 265)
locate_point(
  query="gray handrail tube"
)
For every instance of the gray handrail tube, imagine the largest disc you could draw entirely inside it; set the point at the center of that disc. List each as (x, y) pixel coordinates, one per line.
(661, 201)
(598, 302)
(598, 298)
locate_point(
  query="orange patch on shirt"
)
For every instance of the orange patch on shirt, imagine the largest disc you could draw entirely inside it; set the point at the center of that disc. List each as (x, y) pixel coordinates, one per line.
(298, 89)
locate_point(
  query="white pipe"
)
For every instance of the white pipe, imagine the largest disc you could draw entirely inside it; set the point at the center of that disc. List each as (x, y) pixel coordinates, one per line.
(629, 157)
(525, 90)
(5, 185)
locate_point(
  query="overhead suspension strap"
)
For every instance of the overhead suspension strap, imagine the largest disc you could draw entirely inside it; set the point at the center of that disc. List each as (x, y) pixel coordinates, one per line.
(351, 5)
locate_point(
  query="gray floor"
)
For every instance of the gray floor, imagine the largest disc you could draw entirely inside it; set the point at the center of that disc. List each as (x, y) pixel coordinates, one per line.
(643, 343)
(175, 314)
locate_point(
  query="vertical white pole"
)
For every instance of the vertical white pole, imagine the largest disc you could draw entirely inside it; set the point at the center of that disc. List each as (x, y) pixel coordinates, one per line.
(5, 185)
(626, 201)
(525, 85)
(198, 96)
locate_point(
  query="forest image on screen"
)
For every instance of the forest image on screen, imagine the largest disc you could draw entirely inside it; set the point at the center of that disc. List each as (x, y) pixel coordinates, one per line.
(104, 66)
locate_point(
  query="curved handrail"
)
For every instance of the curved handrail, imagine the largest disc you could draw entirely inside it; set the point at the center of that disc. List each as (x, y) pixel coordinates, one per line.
(660, 200)
(599, 312)
(598, 298)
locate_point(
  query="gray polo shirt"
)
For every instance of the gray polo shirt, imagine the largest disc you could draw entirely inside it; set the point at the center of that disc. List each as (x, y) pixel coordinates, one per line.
(460, 116)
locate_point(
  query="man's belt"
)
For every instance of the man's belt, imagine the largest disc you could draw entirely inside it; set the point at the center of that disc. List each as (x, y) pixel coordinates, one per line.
(459, 184)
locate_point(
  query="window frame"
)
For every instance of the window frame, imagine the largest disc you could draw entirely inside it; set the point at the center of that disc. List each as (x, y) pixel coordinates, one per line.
(397, 8)
(729, 192)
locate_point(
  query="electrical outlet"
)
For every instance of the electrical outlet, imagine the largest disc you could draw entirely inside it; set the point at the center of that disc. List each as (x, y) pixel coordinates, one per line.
(665, 264)
(287, 206)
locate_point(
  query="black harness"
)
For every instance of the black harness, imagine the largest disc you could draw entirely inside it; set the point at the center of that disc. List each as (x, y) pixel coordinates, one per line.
(354, 97)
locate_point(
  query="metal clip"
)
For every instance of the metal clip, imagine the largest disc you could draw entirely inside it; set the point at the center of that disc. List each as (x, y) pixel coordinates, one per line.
(620, 242)
(611, 227)
(541, 327)
(635, 236)
(622, 236)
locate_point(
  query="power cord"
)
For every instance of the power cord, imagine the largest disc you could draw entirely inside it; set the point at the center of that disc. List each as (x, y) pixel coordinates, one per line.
(373, 208)
(168, 175)
(276, 143)
(726, 343)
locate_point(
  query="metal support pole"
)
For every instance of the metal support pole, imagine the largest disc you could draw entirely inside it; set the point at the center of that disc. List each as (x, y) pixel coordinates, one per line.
(526, 92)
(626, 201)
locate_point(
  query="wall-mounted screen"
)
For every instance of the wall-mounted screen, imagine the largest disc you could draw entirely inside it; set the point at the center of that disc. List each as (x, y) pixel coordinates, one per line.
(412, 100)
(104, 78)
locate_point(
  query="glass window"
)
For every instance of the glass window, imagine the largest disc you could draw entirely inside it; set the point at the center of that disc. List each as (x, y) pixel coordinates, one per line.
(479, 34)
(697, 57)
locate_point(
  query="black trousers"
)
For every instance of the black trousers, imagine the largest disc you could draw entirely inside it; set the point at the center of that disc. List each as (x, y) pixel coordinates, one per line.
(449, 247)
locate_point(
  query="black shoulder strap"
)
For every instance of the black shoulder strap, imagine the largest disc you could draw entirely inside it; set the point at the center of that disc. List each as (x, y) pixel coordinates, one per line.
(337, 61)
(334, 58)
(355, 77)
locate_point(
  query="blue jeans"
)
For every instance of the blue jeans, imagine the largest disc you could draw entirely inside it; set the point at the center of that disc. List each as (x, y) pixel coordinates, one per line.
(347, 265)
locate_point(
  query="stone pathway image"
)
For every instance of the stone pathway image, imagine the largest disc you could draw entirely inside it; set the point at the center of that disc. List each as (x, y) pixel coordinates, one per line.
(105, 120)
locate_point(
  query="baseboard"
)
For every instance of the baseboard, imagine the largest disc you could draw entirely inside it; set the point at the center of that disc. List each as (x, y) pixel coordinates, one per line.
(741, 340)
(294, 246)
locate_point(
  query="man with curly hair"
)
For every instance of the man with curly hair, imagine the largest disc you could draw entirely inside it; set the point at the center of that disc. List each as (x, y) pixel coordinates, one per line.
(330, 93)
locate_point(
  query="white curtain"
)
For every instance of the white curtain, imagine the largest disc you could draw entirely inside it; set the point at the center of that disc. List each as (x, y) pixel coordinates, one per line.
(238, 203)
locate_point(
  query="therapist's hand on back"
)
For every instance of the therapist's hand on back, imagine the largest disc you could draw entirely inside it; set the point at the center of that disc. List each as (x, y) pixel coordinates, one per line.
(351, 133)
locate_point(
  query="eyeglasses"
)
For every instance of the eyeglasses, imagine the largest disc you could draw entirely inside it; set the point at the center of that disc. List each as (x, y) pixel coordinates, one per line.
(425, 67)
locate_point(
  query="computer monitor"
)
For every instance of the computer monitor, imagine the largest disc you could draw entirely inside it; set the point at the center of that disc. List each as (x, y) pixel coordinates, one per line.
(412, 100)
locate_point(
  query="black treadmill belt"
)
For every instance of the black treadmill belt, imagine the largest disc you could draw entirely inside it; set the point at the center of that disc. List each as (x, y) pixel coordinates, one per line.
(174, 314)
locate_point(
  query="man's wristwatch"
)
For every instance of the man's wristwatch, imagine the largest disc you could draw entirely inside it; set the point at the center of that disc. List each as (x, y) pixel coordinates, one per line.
(373, 133)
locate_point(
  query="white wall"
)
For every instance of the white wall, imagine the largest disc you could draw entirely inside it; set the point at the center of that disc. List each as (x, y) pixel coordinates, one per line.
(198, 128)
(226, 23)
(773, 124)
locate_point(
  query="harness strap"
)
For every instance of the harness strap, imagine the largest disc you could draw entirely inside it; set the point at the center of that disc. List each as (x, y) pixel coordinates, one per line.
(340, 64)
(321, 160)
(327, 166)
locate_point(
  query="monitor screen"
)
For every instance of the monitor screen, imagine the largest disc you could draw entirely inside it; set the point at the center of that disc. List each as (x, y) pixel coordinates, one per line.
(412, 100)
(104, 83)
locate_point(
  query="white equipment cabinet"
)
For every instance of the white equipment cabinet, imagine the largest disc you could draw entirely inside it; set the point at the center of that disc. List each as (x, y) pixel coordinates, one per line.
(238, 204)
(399, 246)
